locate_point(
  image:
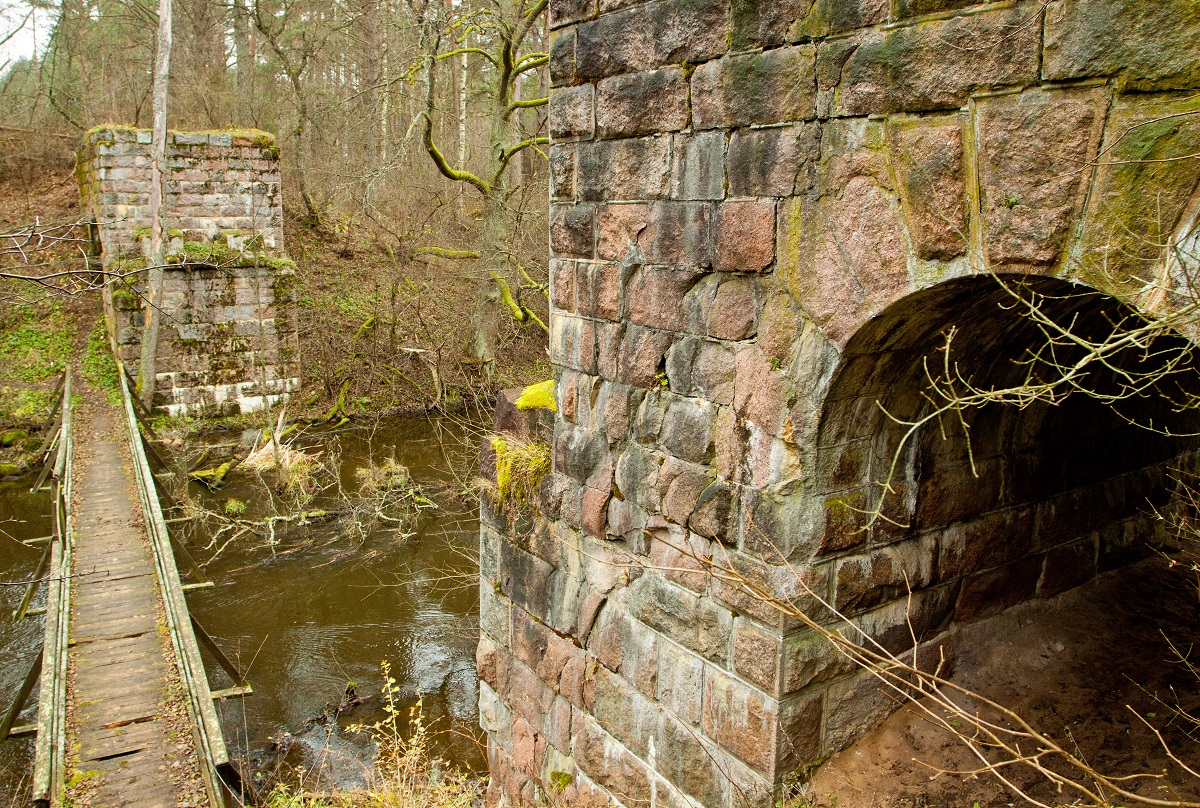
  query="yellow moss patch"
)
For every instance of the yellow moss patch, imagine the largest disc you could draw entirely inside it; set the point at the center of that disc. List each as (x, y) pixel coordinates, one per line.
(538, 396)
(520, 467)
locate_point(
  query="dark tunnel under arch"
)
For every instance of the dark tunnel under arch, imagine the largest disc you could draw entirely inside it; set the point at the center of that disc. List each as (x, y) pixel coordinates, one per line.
(1063, 491)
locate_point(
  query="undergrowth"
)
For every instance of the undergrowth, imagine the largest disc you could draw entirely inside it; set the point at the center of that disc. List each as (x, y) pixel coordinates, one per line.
(407, 774)
(99, 366)
(35, 341)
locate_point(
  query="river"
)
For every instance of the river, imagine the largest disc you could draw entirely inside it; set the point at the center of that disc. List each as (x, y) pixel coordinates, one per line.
(22, 516)
(322, 608)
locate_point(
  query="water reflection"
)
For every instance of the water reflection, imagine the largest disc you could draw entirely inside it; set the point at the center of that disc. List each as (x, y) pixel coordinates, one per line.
(22, 516)
(320, 612)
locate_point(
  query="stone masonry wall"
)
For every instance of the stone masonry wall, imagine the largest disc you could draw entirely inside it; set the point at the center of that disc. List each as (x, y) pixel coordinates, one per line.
(227, 342)
(765, 216)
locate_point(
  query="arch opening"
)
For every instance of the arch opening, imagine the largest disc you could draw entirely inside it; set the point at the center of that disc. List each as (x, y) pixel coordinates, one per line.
(1009, 502)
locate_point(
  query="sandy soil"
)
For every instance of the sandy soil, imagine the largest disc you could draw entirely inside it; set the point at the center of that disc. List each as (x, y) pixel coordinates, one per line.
(1072, 666)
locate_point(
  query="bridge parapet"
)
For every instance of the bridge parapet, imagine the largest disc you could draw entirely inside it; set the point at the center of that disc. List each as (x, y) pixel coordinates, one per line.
(765, 216)
(229, 343)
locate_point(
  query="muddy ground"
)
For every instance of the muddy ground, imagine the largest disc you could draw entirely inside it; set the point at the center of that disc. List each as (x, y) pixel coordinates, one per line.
(1080, 667)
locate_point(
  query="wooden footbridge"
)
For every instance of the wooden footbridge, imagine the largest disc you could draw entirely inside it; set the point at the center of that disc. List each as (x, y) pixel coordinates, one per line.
(107, 684)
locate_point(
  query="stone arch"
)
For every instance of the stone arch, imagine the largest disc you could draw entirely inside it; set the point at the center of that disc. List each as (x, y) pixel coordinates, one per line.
(1054, 493)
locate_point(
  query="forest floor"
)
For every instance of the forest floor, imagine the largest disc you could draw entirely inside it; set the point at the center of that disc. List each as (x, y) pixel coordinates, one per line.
(1081, 667)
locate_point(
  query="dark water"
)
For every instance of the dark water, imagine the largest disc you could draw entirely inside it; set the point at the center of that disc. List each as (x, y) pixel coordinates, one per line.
(22, 516)
(322, 609)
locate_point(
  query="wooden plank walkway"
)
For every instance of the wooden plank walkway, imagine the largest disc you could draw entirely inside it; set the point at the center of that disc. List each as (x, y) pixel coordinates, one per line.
(117, 650)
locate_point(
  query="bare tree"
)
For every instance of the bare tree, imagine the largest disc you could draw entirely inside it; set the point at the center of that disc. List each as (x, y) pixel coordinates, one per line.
(162, 70)
(505, 27)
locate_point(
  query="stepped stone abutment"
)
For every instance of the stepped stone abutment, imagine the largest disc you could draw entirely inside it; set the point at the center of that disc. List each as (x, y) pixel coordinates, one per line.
(227, 341)
(767, 218)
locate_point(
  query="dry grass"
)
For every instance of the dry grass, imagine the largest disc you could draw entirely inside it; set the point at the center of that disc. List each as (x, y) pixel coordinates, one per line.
(407, 774)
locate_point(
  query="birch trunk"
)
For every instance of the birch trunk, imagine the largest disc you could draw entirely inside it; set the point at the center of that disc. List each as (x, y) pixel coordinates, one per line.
(162, 68)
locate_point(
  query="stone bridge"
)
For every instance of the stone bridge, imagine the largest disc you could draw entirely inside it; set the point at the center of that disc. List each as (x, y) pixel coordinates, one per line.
(765, 217)
(228, 344)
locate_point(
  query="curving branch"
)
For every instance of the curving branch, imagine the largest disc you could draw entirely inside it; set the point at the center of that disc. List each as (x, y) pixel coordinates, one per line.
(439, 159)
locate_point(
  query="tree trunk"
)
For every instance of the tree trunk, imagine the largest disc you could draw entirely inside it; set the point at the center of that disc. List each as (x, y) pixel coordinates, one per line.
(162, 68)
(244, 58)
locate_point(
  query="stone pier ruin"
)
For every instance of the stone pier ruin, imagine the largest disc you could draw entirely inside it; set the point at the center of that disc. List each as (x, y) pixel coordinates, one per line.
(765, 217)
(227, 340)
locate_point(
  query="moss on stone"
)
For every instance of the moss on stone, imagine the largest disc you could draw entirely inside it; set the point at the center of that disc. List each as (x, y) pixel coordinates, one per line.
(520, 468)
(538, 396)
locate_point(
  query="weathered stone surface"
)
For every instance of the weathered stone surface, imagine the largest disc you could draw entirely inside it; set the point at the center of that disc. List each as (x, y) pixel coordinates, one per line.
(680, 682)
(824, 17)
(656, 297)
(595, 511)
(572, 112)
(844, 255)
(562, 284)
(756, 654)
(641, 103)
(572, 230)
(651, 35)
(562, 57)
(716, 513)
(562, 173)
(937, 65)
(745, 235)
(1031, 189)
(732, 316)
(687, 429)
(641, 354)
(1146, 46)
(678, 234)
(756, 23)
(697, 166)
(625, 646)
(927, 154)
(637, 475)
(914, 8)
(854, 707)
(740, 719)
(779, 161)
(599, 287)
(566, 12)
(985, 542)
(887, 574)
(801, 731)
(690, 620)
(608, 763)
(632, 169)
(1123, 236)
(680, 485)
(680, 556)
(809, 658)
(768, 87)
(760, 392)
(701, 367)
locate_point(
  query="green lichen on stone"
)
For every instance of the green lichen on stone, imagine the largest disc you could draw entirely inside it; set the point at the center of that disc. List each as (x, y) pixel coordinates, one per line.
(844, 516)
(1143, 185)
(538, 396)
(218, 254)
(560, 781)
(144, 232)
